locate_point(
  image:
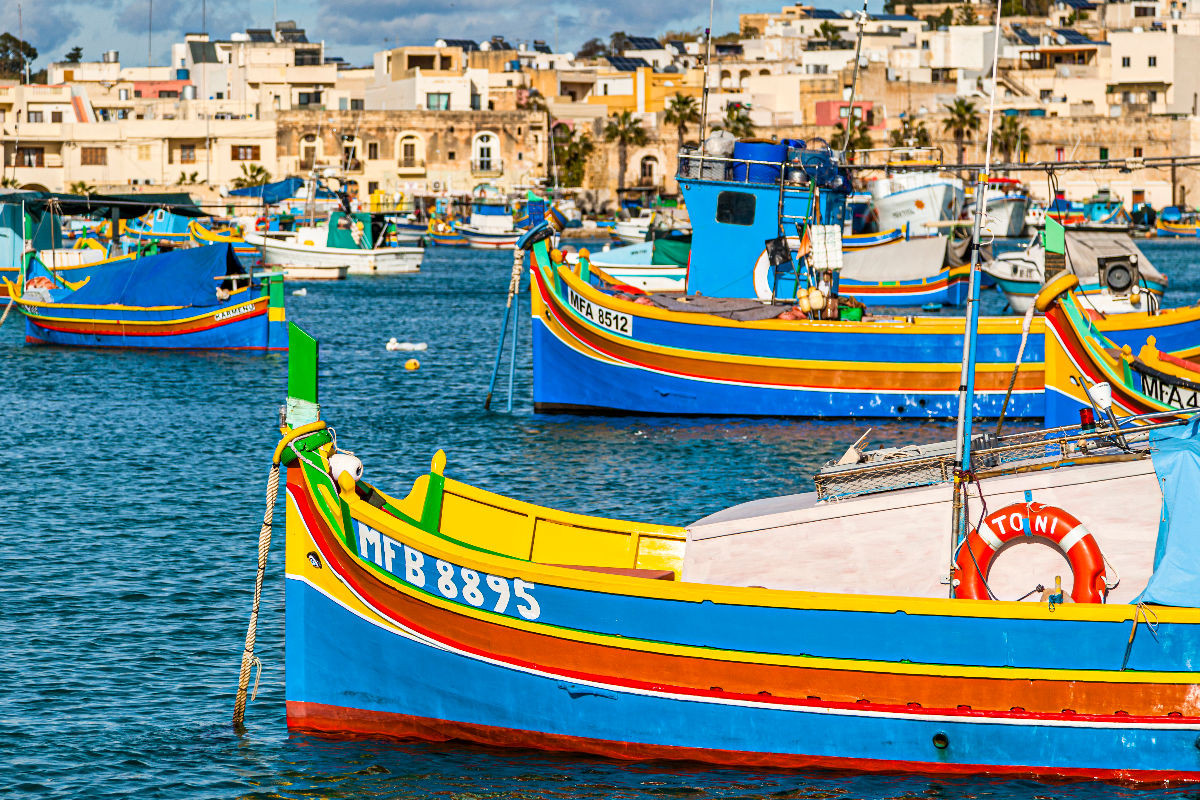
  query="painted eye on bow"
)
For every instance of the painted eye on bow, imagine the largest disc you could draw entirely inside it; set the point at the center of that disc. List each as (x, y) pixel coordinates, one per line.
(315, 560)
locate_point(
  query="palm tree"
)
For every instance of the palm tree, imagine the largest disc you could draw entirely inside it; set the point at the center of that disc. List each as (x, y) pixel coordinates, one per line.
(252, 175)
(962, 120)
(682, 110)
(737, 121)
(909, 134)
(624, 129)
(571, 151)
(1011, 137)
(535, 102)
(860, 137)
(82, 187)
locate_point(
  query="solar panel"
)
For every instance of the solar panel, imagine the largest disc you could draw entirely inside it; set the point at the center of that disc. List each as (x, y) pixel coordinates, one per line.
(1024, 36)
(642, 43)
(1073, 36)
(823, 13)
(260, 34)
(463, 44)
(622, 64)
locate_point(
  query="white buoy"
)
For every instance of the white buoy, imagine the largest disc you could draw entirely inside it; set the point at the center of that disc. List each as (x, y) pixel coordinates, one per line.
(407, 347)
(392, 344)
(300, 293)
(345, 462)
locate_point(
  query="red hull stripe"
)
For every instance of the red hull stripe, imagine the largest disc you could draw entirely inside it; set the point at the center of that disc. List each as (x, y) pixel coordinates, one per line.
(321, 718)
(167, 328)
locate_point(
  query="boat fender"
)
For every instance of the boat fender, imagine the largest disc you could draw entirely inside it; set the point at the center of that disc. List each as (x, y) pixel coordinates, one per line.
(412, 364)
(260, 224)
(1051, 291)
(1034, 521)
(345, 462)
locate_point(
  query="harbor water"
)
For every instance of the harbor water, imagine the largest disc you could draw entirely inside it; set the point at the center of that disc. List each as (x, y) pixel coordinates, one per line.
(130, 515)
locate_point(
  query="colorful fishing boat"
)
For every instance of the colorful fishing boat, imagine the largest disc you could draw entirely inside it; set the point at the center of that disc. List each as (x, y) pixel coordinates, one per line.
(1116, 275)
(1102, 208)
(444, 233)
(346, 244)
(807, 631)
(1140, 382)
(198, 298)
(1007, 204)
(914, 195)
(1176, 222)
(491, 225)
(247, 253)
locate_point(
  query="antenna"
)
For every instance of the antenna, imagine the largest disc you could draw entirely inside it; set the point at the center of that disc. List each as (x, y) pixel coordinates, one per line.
(707, 62)
(966, 392)
(150, 35)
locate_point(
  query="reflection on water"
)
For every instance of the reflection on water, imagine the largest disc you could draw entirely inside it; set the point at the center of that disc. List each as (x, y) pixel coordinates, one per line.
(130, 521)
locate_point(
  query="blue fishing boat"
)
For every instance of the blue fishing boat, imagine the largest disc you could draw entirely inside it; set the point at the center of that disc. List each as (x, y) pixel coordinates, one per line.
(198, 298)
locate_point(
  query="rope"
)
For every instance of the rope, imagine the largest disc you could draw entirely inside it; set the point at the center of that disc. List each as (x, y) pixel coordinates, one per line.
(7, 308)
(264, 547)
(1012, 379)
(1140, 613)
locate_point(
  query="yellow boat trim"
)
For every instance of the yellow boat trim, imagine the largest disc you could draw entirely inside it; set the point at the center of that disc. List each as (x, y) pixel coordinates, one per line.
(38, 304)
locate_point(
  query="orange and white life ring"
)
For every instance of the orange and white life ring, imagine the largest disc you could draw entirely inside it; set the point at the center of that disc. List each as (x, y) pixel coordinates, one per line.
(1035, 521)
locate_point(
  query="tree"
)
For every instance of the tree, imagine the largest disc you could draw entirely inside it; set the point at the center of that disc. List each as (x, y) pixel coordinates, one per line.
(624, 129)
(942, 20)
(737, 121)
(593, 48)
(829, 33)
(82, 187)
(9, 183)
(911, 135)
(966, 15)
(185, 178)
(572, 150)
(1011, 137)
(15, 55)
(962, 120)
(252, 175)
(74, 55)
(682, 110)
(860, 137)
(618, 43)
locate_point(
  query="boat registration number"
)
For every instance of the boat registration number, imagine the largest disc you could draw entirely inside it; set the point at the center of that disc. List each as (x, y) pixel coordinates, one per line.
(459, 584)
(237, 311)
(614, 321)
(1170, 394)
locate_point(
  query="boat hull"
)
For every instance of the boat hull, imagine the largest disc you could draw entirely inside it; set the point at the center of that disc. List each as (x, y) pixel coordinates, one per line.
(1006, 216)
(919, 207)
(488, 240)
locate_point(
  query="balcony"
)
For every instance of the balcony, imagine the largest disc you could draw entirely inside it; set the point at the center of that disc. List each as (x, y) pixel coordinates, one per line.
(410, 166)
(487, 167)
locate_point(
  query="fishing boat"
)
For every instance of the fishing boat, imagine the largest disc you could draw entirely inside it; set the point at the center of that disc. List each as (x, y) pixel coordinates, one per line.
(914, 194)
(1116, 276)
(1144, 383)
(844, 628)
(1007, 204)
(198, 298)
(1102, 208)
(658, 265)
(1175, 222)
(247, 253)
(345, 244)
(445, 233)
(636, 228)
(491, 224)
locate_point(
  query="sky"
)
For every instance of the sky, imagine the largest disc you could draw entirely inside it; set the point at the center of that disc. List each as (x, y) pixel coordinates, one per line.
(354, 29)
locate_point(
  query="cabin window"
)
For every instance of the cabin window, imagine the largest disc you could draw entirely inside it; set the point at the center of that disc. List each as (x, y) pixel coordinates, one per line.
(735, 208)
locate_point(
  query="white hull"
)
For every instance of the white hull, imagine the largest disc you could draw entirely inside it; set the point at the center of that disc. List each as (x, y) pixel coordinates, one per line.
(632, 231)
(903, 200)
(302, 261)
(489, 240)
(1006, 216)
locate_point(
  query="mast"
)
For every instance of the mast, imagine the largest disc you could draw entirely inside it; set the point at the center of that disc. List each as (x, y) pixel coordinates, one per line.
(966, 386)
(862, 22)
(707, 65)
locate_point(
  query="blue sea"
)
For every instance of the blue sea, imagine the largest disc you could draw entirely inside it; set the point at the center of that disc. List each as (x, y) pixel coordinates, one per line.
(130, 514)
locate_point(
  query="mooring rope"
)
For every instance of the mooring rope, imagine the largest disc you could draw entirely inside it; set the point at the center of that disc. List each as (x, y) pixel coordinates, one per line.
(7, 308)
(264, 548)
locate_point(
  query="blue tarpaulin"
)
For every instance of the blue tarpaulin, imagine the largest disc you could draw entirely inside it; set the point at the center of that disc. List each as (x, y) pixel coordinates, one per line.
(1176, 578)
(277, 192)
(187, 277)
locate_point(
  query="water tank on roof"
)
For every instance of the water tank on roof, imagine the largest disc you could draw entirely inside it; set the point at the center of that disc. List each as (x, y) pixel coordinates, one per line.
(239, 36)
(189, 92)
(182, 74)
(111, 57)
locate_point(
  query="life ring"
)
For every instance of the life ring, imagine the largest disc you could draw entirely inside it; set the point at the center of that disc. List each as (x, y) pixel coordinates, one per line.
(260, 224)
(1037, 521)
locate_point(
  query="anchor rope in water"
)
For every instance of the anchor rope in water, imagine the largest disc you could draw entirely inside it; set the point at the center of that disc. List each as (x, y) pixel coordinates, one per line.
(7, 308)
(249, 659)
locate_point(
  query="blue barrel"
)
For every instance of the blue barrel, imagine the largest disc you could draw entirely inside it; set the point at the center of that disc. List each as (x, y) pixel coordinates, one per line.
(773, 152)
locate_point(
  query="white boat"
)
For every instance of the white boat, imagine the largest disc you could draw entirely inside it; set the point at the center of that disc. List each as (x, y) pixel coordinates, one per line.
(634, 229)
(332, 250)
(631, 265)
(1035, 216)
(919, 200)
(491, 225)
(1007, 204)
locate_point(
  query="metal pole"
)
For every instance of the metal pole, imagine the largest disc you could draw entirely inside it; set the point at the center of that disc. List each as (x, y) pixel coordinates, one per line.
(966, 388)
(512, 355)
(862, 22)
(707, 65)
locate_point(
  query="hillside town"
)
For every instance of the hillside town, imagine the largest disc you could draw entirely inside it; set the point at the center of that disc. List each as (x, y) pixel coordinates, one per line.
(1078, 80)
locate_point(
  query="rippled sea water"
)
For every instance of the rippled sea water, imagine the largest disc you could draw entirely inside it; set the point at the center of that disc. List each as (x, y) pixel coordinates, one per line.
(133, 492)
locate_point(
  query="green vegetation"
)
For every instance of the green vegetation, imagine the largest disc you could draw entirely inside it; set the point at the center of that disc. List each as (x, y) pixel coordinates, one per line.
(624, 129)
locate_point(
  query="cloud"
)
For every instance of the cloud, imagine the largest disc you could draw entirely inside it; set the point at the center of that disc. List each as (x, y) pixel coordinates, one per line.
(47, 26)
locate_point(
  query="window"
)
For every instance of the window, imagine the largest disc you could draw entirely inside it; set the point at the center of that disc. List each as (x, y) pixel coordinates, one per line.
(308, 98)
(1139, 197)
(483, 155)
(245, 152)
(372, 150)
(735, 208)
(56, 116)
(356, 105)
(93, 156)
(1137, 152)
(1104, 154)
(1152, 61)
(1059, 153)
(372, 187)
(649, 169)
(476, 101)
(1045, 94)
(31, 156)
(408, 152)
(1152, 96)
(1125, 61)
(437, 101)
(187, 154)
(35, 116)
(143, 152)
(450, 155)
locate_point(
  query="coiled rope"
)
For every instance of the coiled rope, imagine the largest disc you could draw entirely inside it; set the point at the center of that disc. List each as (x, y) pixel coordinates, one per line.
(264, 547)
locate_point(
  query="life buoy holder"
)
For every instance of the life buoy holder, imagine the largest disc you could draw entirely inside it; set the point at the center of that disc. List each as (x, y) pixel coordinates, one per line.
(260, 224)
(1035, 521)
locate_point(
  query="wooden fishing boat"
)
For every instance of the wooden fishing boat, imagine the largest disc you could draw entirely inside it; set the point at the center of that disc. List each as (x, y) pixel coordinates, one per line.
(345, 244)
(247, 253)
(805, 631)
(196, 298)
(596, 350)
(1140, 381)
(1174, 223)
